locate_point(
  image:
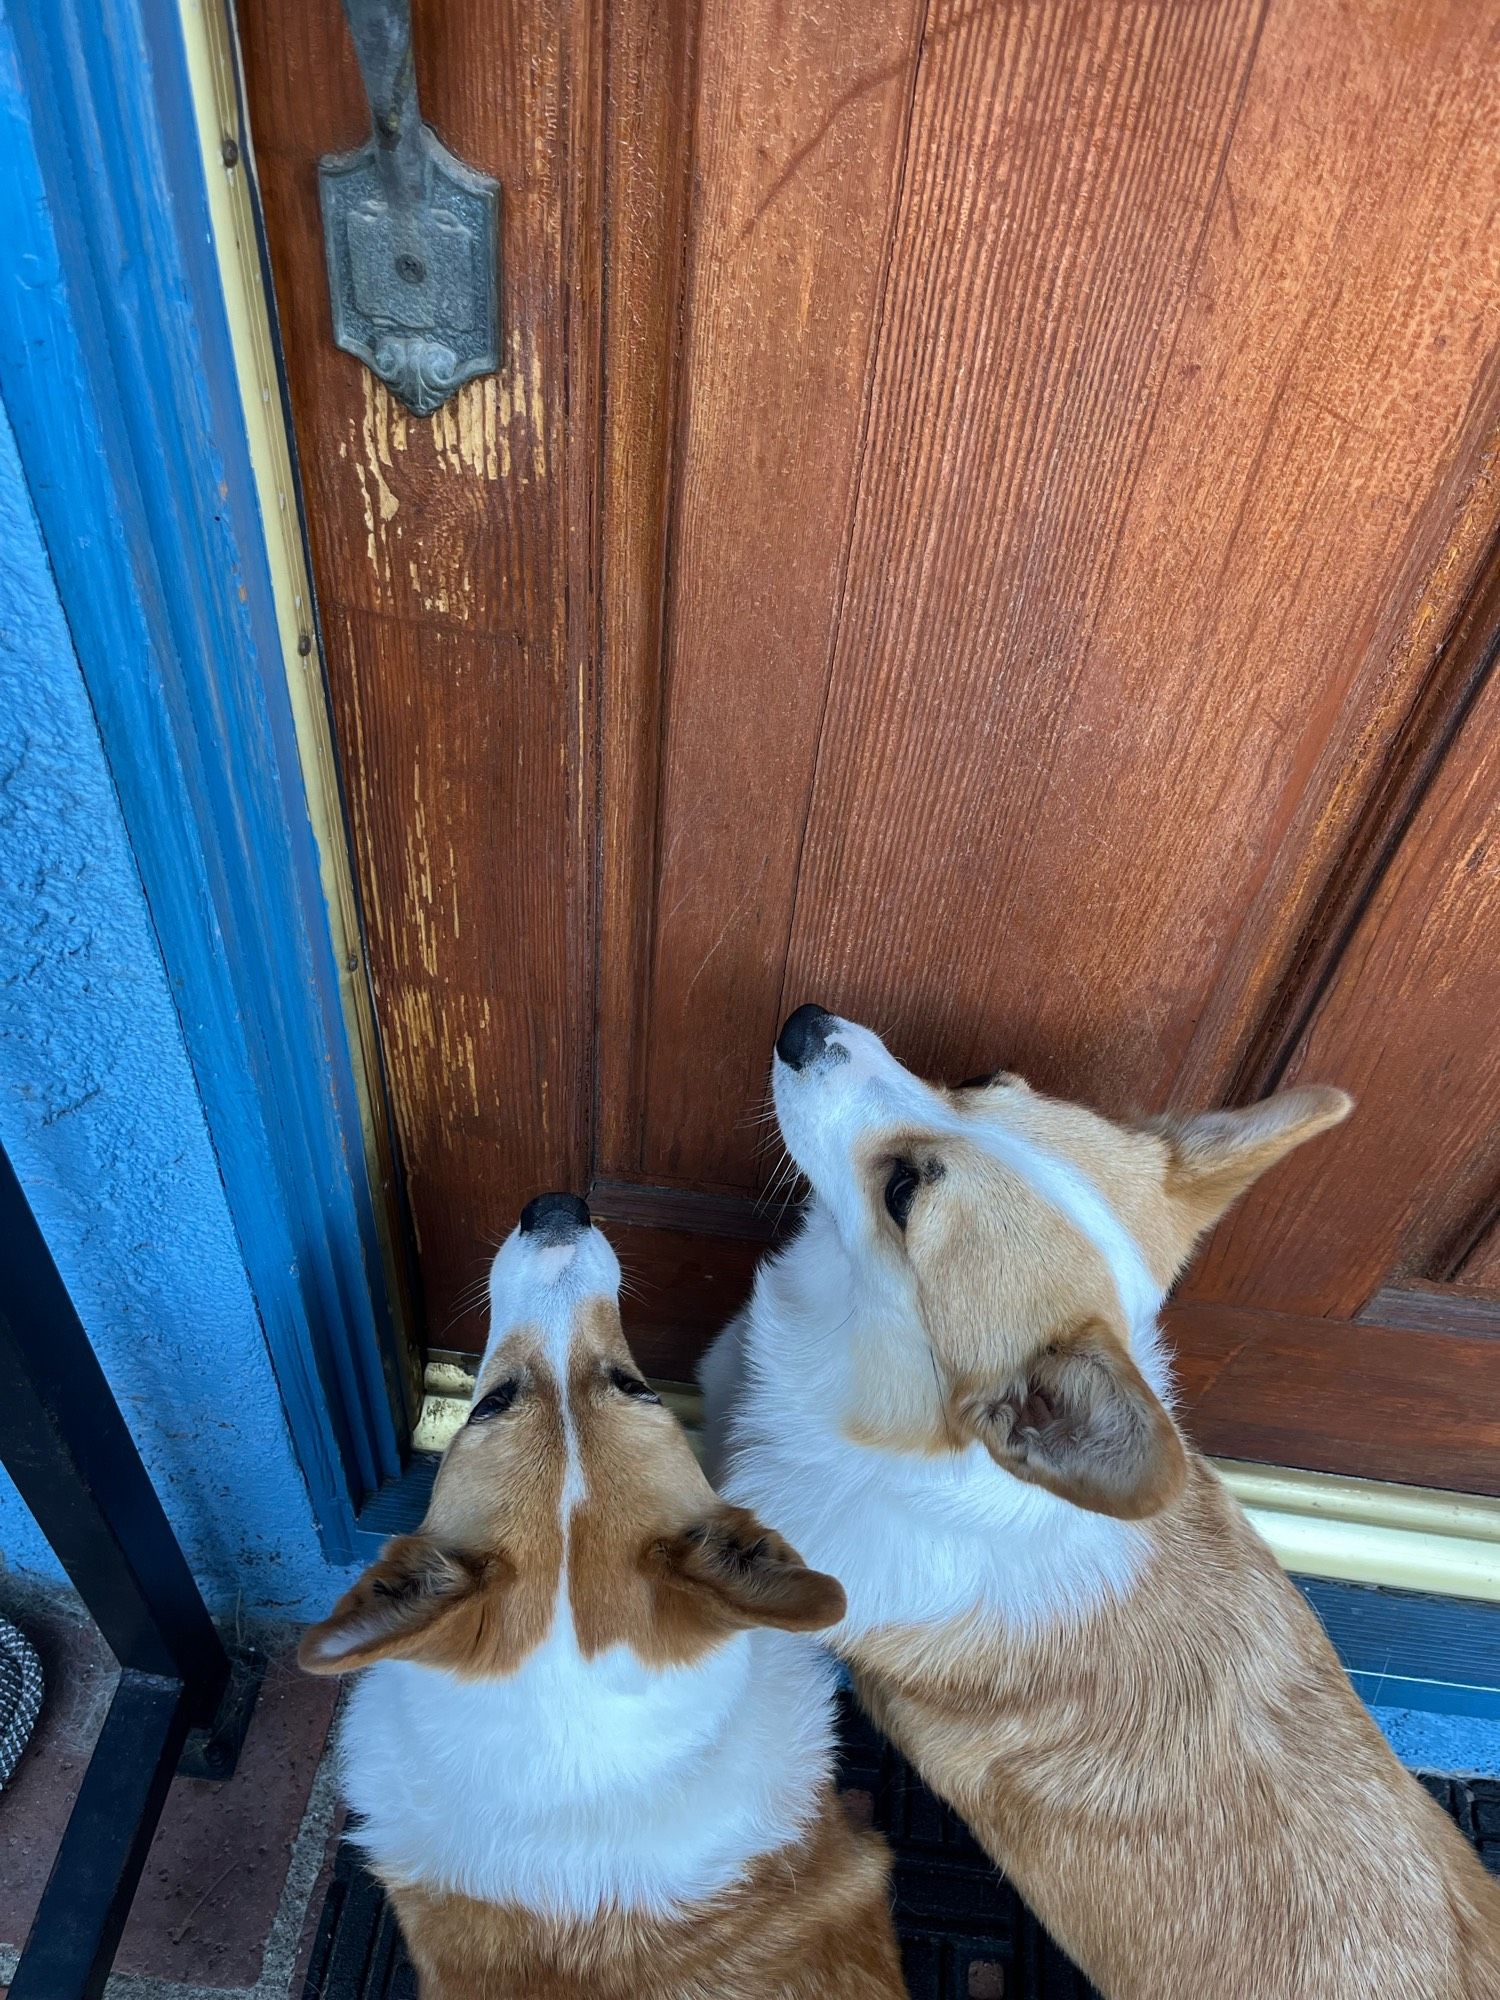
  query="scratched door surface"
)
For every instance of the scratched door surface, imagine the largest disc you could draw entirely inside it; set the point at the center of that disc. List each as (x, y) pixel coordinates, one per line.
(988, 521)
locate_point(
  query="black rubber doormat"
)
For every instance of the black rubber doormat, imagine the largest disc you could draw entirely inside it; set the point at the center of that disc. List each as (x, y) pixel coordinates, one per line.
(965, 1933)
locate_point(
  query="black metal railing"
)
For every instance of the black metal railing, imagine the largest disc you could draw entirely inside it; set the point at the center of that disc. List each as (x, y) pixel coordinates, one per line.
(181, 1702)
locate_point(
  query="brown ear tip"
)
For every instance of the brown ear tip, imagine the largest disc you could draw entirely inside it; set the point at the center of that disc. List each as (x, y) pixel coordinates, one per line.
(812, 1602)
(311, 1657)
(829, 1599)
(1171, 1473)
(1159, 1486)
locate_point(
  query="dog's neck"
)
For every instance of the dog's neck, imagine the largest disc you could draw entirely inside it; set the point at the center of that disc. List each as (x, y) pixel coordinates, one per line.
(915, 1538)
(576, 1786)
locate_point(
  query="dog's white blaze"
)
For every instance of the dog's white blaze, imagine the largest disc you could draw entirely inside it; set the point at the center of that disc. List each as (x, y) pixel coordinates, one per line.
(575, 1785)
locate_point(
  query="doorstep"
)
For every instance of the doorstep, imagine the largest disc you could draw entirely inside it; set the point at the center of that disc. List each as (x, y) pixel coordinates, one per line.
(221, 1912)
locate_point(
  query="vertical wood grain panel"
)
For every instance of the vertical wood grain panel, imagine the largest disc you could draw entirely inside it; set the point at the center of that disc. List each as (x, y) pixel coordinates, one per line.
(1410, 1025)
(1130, 620)
(801, 114)
(1462, 652)
(648, 143)
(1063, 164)
(457, 642)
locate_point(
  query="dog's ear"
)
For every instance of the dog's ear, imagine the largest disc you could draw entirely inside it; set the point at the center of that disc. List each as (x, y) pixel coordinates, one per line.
(1213, 1156)
(1081, 1420)
(397, 1610)
(727, 1572)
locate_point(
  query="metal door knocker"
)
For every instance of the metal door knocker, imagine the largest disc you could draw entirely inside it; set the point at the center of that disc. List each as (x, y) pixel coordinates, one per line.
(412, 234)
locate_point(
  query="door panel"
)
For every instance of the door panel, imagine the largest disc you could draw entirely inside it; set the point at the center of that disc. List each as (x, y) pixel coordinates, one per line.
(1330, 1396)
(988, 522)
(1110, 876)
(453, 621)
(786, 255)
(1408, 1025)
(1054, 263)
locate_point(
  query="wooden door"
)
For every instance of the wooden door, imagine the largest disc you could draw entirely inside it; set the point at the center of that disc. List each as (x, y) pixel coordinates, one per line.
(989, 521)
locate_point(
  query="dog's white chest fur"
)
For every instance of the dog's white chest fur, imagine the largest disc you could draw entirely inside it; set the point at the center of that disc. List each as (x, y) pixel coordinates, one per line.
(575, 1785)
(914, 1539)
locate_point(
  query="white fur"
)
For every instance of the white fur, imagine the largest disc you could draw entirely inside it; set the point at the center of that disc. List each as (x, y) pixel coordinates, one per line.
(542, 1285)
(914, 1539)
(574, 1785)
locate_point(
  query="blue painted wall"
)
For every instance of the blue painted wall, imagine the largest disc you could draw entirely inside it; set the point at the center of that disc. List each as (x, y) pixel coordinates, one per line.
(100, 1114)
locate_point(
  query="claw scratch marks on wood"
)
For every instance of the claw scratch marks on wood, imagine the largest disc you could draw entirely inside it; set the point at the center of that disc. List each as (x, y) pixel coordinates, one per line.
(537, 416)
(724, 930)
(382, 431)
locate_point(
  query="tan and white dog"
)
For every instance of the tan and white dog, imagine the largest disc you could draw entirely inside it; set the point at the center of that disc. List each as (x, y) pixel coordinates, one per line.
(951, 1389)
(592, 1746)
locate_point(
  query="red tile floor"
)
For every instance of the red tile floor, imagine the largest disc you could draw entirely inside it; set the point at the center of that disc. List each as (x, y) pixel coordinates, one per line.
(235, 1868)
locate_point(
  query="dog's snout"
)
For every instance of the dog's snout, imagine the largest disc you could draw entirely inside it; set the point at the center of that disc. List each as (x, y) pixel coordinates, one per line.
(555, 1218)
(804, 1036)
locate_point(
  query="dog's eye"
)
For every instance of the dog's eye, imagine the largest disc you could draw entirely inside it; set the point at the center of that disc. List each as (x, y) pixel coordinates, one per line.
(497, 1402)
(901, 1191)
(632, 1385)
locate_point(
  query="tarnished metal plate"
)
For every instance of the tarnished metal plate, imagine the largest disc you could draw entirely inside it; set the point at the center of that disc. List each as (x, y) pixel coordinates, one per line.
(415, 280)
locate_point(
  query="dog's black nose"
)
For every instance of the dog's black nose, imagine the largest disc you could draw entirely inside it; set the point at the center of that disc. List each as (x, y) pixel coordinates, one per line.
(804, 1035)
(555, 1217)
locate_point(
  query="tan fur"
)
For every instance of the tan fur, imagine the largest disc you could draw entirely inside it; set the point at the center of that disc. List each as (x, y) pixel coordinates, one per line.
(810, 1923)
(472, 1591)
(1184, 1784)
(656, 1562)
(1188, 1791)
(1008, 1284)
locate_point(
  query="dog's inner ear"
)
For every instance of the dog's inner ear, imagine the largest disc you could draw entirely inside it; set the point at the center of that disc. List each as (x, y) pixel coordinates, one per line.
(399, 1609)
(1082, 1421)
(726, 1573)
(1214, 1156)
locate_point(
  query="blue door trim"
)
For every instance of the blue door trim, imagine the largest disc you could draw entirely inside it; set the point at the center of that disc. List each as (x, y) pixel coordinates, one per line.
(117, 371)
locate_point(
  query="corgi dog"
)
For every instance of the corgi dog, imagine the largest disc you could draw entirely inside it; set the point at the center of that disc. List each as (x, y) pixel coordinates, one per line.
(951, 1388)
(591, 1743)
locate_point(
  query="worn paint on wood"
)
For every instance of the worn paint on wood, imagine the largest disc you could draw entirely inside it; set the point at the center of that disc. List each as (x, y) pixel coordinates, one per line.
(442, 551)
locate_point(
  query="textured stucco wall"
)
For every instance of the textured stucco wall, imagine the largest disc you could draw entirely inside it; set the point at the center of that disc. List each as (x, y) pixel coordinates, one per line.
(100, 1115)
